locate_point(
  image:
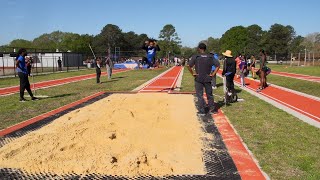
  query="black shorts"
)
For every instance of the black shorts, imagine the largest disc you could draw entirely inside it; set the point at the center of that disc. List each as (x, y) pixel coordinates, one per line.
(253, 65)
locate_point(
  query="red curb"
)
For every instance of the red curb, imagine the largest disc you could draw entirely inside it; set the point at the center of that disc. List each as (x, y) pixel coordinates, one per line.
(247, 167)
(51, 83)
(45, 115)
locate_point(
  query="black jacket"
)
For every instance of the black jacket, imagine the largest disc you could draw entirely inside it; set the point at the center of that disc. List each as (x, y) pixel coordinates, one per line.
(229, 65)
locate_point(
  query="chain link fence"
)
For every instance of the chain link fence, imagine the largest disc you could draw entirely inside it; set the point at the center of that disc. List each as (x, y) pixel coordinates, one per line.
(43, 62)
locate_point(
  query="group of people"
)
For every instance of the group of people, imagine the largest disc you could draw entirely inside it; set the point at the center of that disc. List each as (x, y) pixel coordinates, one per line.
(207, 65)
(99, 63)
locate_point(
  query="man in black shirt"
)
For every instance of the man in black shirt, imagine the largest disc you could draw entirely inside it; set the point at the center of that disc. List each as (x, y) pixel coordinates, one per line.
(203, 76)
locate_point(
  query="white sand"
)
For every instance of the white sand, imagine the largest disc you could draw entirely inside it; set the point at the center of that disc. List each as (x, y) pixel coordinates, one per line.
(123, 134)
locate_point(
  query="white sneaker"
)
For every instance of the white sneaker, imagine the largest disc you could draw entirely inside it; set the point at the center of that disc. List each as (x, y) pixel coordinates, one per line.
(214, 87)
(229, 93)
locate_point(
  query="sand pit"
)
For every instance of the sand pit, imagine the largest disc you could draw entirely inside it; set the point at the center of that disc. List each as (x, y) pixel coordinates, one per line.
(123, 134)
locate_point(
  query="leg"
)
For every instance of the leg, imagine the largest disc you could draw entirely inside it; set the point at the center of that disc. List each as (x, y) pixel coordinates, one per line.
(22, 85)
(262, 81)
(199, 92)
(108, 71)
(98, 77)
(210, 97)
(28, 85)
(214, 81)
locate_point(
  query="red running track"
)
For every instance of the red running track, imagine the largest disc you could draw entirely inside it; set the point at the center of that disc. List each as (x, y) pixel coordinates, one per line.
(297, 76)
(164, 83)
(46, 84)
(299, 103)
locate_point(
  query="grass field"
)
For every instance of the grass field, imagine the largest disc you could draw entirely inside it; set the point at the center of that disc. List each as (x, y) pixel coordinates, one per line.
(285, 147)
(307, 87)
(308, 70)
(14, 81)
(13, 112)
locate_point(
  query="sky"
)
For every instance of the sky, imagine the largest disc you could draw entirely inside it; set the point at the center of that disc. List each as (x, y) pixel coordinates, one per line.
(194, 20)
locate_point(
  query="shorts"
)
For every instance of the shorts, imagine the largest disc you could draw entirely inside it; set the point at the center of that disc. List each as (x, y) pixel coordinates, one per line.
(253, 65)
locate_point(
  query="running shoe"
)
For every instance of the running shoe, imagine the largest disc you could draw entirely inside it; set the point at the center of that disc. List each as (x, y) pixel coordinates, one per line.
(22, 100)
(34, 99)
(214, 87)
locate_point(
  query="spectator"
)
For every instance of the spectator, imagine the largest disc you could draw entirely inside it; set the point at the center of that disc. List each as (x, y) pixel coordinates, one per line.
(243, 71)
(109, 66)
(29, 64)
(98, 70)
(23, 75)
(203, 76)
(229, 71)
(215, 68)
(59, 64)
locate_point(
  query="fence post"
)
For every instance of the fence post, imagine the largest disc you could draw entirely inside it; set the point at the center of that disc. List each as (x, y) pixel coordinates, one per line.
(67, 62)
(3, 66)
(79, 62)
(313, 58)
(53, 59)
(41, 63)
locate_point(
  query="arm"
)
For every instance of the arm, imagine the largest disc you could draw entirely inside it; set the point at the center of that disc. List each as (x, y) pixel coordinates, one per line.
(216, 63)
(190, 66)
(158, 48)
(18, 64)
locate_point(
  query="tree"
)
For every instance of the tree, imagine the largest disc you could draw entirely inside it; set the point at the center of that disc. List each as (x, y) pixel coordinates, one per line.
(213, 44)
(21, 43)
(235, 39)
(187, 52)
(169, 41)
(255, 34)
(312, 42)
(296, 45)
(50, 41)
(278, 39)
(111, 36)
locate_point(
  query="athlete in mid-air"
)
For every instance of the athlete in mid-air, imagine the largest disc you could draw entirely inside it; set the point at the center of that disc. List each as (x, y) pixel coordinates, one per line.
(151, 48)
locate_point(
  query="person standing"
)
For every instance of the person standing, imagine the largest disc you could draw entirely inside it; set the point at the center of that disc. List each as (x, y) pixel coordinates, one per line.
(109, 65)
(243, 71)
(98, 70)
(59, 64)
(253, 66)
(262, 71)
(151, 48)
(29, 64)
(238, 61)
(202, 78)
(216, 69)
(23, 75)
(229, 71)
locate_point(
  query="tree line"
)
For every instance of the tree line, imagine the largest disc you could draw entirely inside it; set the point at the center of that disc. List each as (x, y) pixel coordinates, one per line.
(279, 39)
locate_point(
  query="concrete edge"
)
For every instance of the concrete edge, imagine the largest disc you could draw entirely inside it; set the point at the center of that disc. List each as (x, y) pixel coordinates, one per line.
(298, 115)
(179, 81)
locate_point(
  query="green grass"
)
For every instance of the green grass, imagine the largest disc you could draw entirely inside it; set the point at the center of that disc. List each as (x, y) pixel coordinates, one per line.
(13, 112)
(307, 87)
(286, 147)
(308, 70)
(14, 81)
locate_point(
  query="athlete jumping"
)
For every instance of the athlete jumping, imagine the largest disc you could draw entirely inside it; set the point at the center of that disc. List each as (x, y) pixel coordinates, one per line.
(151, 48)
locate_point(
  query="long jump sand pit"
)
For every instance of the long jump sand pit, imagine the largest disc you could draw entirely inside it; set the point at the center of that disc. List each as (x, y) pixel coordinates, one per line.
(122, 134)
